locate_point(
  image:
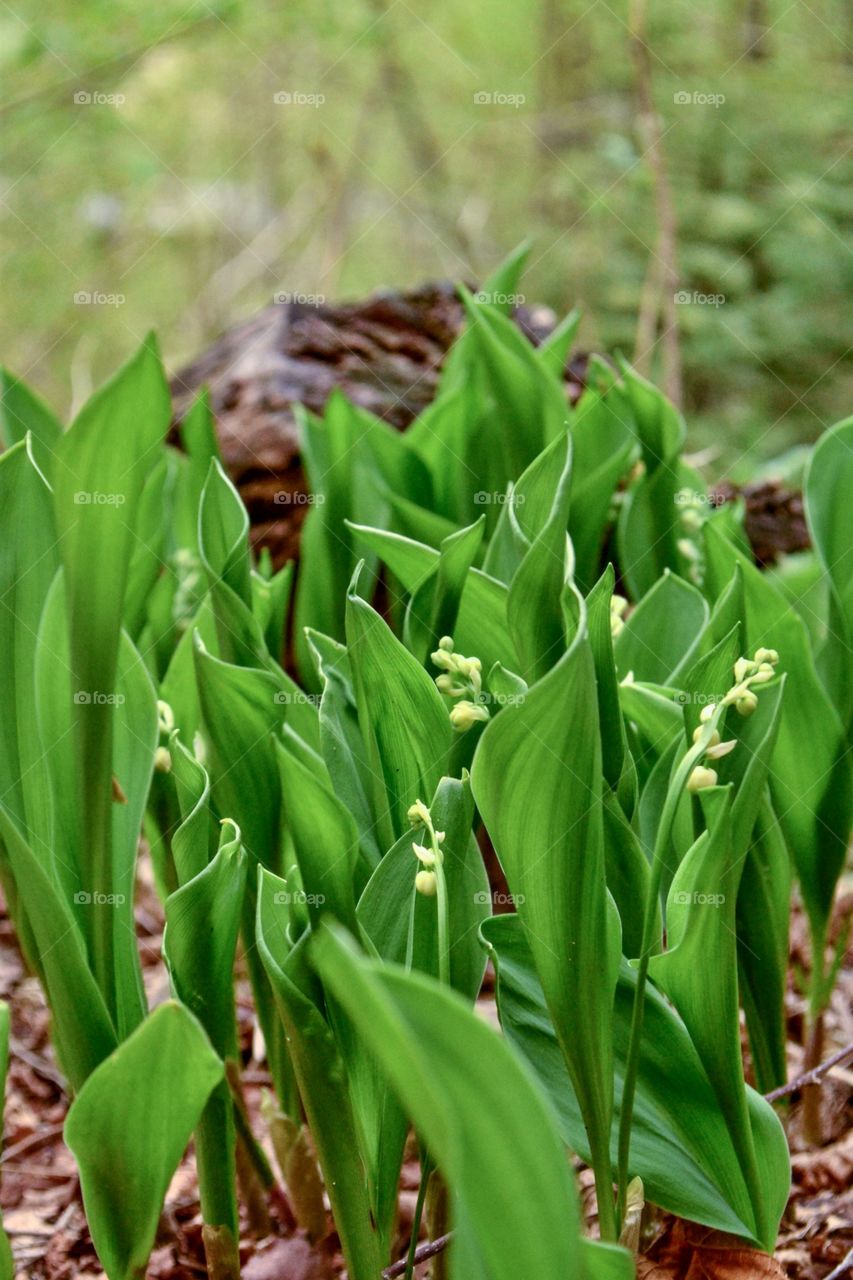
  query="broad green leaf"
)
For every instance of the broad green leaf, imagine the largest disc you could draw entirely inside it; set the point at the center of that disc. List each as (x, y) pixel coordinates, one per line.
(22, 411)
(202, 923)
(554, 350)
(828, 484)
(476, 1108)
(401, 924)
(603, 444)
(129, 1126)
(680, 1146)
(662, 631)
(481, 626)
(100, 467)
(434, 605)
(322, 1083)
(698, 972)
(537, 783)
(403, 719)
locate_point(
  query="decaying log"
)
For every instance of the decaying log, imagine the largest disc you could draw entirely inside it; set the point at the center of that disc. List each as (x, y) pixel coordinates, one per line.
(385, 354)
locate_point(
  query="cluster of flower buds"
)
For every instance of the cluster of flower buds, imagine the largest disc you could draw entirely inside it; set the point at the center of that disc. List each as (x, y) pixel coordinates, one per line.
(747, 672)
(460, 678)
(429, 856)
(618, 605)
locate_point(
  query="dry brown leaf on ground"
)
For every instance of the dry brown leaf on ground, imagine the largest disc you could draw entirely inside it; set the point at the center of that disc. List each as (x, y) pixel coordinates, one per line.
(292, 1259)
(688, 1252)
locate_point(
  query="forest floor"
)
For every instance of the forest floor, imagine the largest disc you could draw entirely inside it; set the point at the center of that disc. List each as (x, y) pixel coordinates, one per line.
(43, 1212)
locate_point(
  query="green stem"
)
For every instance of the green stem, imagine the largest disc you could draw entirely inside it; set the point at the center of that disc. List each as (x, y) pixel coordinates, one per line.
(648, 943)
(442, 909)
(418, 1218)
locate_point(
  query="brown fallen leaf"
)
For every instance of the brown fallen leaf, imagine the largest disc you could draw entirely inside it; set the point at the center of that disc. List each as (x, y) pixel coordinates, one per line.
(292, 1259)
(686, 1251)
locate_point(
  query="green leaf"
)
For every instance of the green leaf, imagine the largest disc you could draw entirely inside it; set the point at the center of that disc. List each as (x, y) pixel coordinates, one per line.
(662, 631)
(22, 411)
(202, 923)
(100, 468)
(537, 783)
(322, 1084)
(680, 1146)
(403, 719)
(481, 625)
(434, 605)
(476, 1108)
(401, 923)
(698, 973)
(129, 1126)
(603, 444)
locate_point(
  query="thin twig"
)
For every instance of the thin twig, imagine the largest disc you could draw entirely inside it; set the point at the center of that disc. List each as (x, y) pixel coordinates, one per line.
(423, 1251)
(811, 1077)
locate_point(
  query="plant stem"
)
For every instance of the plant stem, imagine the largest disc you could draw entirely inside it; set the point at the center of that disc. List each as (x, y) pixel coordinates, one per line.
(442, 909)
(418, 1218)
(648, 942)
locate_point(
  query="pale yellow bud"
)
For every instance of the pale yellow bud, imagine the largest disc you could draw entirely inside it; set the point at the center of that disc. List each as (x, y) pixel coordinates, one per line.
(426, 883)
(742, 669)
(418, 814)
(446, 643)
(712, 741)
(746, 703)
(423, 854)
(165, 717)
(707, 712)
(466, 714)
(162, 760)
(701, 778)
(767, 655)
(718, 749)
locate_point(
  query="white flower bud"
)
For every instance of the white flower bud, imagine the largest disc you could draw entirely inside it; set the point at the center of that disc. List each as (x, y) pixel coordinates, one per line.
(767, 655)
(718, 749)
(418, 814)
(466, 714)
(165, 717)
(707, 712)
(701, 778)
(446, 643)
(743, 667)
(426, 883)
(162, 760)
(746, 703)
(712, 741)
(423, 854)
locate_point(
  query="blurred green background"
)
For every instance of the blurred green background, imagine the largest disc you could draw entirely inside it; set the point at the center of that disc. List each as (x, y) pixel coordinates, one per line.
(147, 163)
